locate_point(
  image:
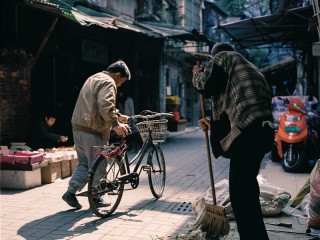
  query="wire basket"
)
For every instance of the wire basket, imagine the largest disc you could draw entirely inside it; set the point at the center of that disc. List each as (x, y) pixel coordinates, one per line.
(159, 129)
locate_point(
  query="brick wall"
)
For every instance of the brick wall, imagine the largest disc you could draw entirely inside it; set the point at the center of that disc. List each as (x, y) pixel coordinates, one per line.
(14, 95)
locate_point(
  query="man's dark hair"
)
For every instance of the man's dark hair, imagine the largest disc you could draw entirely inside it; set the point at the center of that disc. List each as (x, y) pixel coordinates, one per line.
(50, 114)
(220, 47)
(120, 67)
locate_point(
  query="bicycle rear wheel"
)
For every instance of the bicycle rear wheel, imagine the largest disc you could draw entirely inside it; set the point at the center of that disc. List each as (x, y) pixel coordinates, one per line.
(104, 189)
(157, 173)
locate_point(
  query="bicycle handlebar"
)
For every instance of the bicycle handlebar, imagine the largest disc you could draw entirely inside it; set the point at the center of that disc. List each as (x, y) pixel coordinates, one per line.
(149, 115)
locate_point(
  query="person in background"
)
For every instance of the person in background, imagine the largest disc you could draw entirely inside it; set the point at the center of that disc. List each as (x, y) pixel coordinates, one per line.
(40, 136)
(119, 102)
(125, 103)
(241, 129)
(94, 116)
(134, 139)
(128, 106)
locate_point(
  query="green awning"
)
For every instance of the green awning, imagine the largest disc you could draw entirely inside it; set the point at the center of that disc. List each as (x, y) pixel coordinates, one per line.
(86, 16)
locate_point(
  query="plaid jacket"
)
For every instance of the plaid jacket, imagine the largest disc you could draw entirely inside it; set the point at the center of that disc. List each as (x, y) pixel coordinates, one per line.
(238, 90)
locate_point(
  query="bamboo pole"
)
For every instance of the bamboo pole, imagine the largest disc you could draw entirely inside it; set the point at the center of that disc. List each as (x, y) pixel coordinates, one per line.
(44, 41)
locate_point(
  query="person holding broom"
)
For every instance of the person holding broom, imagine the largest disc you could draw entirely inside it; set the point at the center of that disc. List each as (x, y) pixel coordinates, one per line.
(241, 129)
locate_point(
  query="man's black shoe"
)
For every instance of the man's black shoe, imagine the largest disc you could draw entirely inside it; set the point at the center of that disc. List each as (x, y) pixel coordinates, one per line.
(71, 199)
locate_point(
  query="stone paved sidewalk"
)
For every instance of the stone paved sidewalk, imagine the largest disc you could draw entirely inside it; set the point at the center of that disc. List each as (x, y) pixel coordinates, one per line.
(39, 213)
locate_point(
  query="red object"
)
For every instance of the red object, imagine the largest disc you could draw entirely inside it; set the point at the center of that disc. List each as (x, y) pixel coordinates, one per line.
(282, 136)
(22, 158)
(176, 116)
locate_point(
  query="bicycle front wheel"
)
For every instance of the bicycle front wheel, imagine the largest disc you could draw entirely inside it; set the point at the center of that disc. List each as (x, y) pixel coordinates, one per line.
(104, 189)
(157, 172)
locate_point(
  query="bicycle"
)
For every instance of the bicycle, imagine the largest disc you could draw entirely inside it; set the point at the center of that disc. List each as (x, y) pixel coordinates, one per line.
(111, 168)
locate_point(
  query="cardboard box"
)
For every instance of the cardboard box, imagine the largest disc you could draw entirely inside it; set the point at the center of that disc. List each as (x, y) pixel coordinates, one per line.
(15, 179)
(65, 168)
(73, 164)
(51, 173)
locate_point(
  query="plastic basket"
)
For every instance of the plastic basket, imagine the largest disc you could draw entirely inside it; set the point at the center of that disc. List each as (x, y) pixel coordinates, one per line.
(159, 129)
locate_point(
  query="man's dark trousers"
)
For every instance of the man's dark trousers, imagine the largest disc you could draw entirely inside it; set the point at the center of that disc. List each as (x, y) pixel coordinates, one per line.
(246, 154)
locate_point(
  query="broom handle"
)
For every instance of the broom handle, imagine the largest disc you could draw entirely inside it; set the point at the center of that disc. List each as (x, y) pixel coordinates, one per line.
(208, 153)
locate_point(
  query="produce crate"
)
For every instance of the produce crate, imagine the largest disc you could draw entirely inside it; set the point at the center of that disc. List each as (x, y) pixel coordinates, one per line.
(17, 179)
(65, 168)
(51, 173)
(73, 164)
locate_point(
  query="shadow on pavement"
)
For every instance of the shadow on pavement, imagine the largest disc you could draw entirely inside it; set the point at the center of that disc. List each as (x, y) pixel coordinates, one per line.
(65, 224)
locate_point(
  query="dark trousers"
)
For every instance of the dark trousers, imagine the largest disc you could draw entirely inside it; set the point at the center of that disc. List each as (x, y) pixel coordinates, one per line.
(246, 154)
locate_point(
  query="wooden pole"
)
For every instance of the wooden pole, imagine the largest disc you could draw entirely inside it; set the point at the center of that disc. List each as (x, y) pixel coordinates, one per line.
(214, 199)
(44, 41)
(208, 153)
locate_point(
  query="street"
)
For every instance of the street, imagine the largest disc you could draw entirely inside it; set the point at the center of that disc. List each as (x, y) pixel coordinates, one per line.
(40, 213)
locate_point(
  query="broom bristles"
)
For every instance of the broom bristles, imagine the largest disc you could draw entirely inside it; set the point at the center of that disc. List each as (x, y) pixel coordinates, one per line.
(215, 222)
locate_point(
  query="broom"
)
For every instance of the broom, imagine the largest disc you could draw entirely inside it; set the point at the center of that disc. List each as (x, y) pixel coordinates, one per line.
(214, 221)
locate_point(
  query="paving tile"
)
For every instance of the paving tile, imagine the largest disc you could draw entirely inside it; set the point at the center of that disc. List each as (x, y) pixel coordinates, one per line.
(39, 213)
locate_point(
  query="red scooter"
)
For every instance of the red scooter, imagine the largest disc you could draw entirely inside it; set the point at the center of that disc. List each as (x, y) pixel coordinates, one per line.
(295, 141)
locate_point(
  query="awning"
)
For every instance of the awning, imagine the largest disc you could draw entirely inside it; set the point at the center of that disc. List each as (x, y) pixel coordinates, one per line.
(87, 17)
(290, 26)
(288, 62)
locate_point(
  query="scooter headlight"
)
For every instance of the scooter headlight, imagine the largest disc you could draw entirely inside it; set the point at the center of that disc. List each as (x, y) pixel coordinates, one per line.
(290, 118)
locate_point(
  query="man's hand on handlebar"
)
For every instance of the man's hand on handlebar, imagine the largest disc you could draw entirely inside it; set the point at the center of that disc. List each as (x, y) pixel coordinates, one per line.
(123, 118)
(204, 124)
(122, 130)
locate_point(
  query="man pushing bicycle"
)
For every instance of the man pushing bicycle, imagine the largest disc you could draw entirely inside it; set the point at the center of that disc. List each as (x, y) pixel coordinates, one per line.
(94, 116)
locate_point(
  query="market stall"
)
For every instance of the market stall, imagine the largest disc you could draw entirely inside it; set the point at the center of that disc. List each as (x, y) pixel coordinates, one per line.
(22, 169)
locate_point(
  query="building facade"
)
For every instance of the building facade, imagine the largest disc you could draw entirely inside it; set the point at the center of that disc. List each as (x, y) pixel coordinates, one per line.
(66, 42)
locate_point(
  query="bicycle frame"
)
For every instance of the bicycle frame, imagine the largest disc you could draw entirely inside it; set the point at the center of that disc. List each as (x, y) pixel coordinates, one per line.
(140, 155)
(123, 150)
(111, 168)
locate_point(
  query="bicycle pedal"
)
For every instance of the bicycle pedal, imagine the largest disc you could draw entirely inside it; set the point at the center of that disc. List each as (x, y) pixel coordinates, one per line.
(82, 194)
(146, 167)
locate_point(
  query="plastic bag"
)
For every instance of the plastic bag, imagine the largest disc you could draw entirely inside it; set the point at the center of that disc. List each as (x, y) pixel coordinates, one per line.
(304, 205)
(272, 199)
(314, 204)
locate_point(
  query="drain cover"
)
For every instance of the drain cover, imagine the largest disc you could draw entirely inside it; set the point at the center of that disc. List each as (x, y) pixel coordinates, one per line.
(183, 207)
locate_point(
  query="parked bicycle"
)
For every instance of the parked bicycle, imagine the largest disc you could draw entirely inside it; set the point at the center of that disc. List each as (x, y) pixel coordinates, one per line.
(111, 168)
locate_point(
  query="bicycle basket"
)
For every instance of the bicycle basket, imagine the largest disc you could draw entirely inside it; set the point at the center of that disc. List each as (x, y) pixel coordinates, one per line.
(159, 129)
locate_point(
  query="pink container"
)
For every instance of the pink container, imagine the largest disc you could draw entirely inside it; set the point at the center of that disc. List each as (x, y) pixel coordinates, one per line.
(22, 158)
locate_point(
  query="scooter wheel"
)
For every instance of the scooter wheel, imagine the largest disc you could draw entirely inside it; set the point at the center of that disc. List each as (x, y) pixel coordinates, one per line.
(294, 162)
